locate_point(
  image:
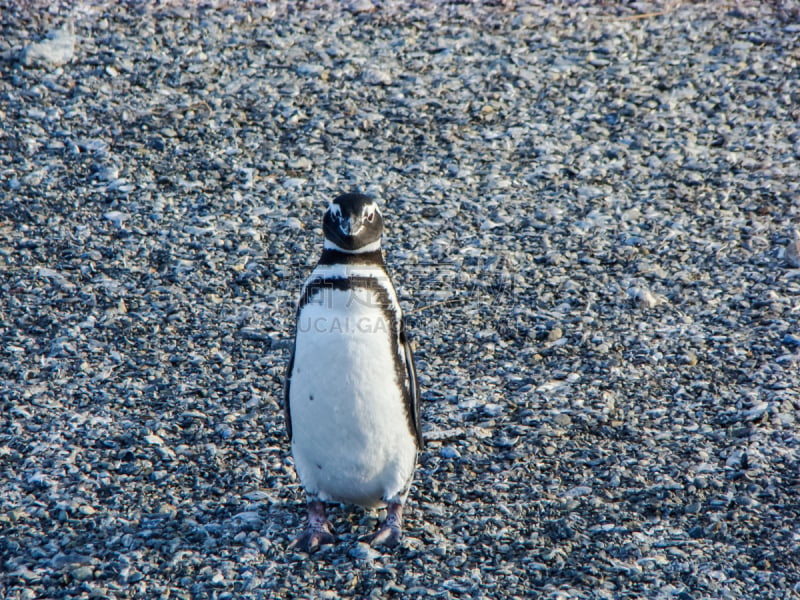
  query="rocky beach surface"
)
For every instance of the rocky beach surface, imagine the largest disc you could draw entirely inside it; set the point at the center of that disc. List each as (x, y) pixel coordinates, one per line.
(592, 219)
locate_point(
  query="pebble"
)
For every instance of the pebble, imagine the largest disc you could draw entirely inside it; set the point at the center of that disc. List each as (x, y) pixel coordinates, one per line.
(449, 452)
(755, 413)
(363, 551)
(492, 409)
(82, 573)
(361, 6)
(562, 419)
(117, 217)
(644, 298)
(555, 334)
(57, 49)
(791, 340)
(294, 224)
(792, 252)
(374, 76)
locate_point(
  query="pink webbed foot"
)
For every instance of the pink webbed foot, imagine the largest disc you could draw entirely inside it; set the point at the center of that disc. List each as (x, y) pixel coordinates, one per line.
(317, 532)
(390, 532)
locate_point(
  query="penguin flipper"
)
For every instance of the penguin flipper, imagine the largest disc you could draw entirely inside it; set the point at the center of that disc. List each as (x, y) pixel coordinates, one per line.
(413, 387)
(287, 411)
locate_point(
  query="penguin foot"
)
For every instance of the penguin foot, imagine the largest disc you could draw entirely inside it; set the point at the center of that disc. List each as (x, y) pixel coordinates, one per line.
(390, 531)
(386, 535)
(318, 531)
(311, 539)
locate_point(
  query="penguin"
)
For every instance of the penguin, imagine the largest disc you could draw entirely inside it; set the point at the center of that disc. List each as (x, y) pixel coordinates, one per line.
(351, 396)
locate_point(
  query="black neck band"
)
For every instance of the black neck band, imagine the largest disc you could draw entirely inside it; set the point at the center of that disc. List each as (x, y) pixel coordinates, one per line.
(337, 257)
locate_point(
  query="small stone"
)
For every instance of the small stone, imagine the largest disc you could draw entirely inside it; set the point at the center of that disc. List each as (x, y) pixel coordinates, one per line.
(258, 495)
(57, 49)
(791, 340)
(25, 573)
(755, 413)
(83, 573)
(644, 298)
(155, 440)
(117, 217)
(293, 223)
(363, 551)
(559, 530)
(562, 419)
(156, 143)
(374, 76)
(578, 491)
(492, 409)
(307, 69)
(225, 431)
(301, 164)
(361, 6)
(792, 253)
(697, 532)
(449, 452)
(108, 173)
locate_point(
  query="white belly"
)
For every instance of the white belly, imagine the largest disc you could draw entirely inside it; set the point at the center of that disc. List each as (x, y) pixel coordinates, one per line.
(350, 435)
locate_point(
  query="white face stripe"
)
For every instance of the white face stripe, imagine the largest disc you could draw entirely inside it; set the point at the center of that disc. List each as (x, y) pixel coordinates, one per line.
(371, 247)
(371, 207)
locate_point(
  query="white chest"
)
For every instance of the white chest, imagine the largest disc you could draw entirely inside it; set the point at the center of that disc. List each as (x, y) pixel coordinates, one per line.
(351, 438)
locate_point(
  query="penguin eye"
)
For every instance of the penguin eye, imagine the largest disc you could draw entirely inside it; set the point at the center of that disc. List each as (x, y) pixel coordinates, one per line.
(370, 217)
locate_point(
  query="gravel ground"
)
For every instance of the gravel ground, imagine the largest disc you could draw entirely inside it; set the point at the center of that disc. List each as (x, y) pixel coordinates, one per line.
(591, 212)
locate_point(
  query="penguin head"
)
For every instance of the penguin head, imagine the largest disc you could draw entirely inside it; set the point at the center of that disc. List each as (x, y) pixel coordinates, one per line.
(353, 224)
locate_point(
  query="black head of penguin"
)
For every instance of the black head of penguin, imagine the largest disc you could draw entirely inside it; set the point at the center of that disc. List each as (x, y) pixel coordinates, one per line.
(353, 223)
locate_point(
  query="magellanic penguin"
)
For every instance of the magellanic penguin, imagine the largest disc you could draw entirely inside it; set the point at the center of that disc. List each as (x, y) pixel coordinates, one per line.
(351, 396)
